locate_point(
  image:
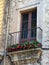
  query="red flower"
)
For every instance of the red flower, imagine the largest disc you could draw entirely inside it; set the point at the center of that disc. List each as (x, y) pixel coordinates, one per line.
(33, 45)
(25, 47)
(14, 49)
(18, 47)
(39, 45)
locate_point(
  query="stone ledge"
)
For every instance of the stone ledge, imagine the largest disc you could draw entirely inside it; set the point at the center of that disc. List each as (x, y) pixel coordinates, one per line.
(39, 49)
(29, 54)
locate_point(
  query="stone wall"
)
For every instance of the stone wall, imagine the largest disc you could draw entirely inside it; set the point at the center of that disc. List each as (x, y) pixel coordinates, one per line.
(45, 42)
(42, 21)
(45, 57)
(46, 24)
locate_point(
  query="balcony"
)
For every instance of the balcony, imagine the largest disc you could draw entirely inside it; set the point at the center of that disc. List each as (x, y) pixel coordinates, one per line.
(24, 47)
(30, 37)
(26, 57)
(24, 35)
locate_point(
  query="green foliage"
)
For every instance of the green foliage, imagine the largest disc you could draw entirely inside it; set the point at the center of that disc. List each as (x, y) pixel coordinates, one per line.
(26, 45)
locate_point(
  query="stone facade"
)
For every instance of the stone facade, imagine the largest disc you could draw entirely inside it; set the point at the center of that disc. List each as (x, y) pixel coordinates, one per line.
(18, 6)
(45, 57)
(42, 16)
(42, 21)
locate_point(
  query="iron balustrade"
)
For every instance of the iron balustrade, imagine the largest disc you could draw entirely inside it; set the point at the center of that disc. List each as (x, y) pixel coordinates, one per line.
(19, 36)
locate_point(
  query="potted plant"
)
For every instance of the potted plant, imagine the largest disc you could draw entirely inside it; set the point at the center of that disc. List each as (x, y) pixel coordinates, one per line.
(14, 47)
(31, 45)
(35, 43)
(19, 47)
(22, 46)
(25, 45)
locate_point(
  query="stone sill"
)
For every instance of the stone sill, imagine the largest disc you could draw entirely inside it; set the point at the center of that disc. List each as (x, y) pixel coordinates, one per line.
(29, 54)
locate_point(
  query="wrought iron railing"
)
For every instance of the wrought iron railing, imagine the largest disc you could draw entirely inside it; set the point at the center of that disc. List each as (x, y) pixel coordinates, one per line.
(18, 37)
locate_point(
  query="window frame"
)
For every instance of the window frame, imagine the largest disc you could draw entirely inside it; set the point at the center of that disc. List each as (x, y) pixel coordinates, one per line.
(29, 11)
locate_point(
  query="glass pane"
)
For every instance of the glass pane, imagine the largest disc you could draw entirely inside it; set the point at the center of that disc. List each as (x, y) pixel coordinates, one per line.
(33, 24)
(34, 15)
(24, 26)
(24, 34)
(33, 33)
